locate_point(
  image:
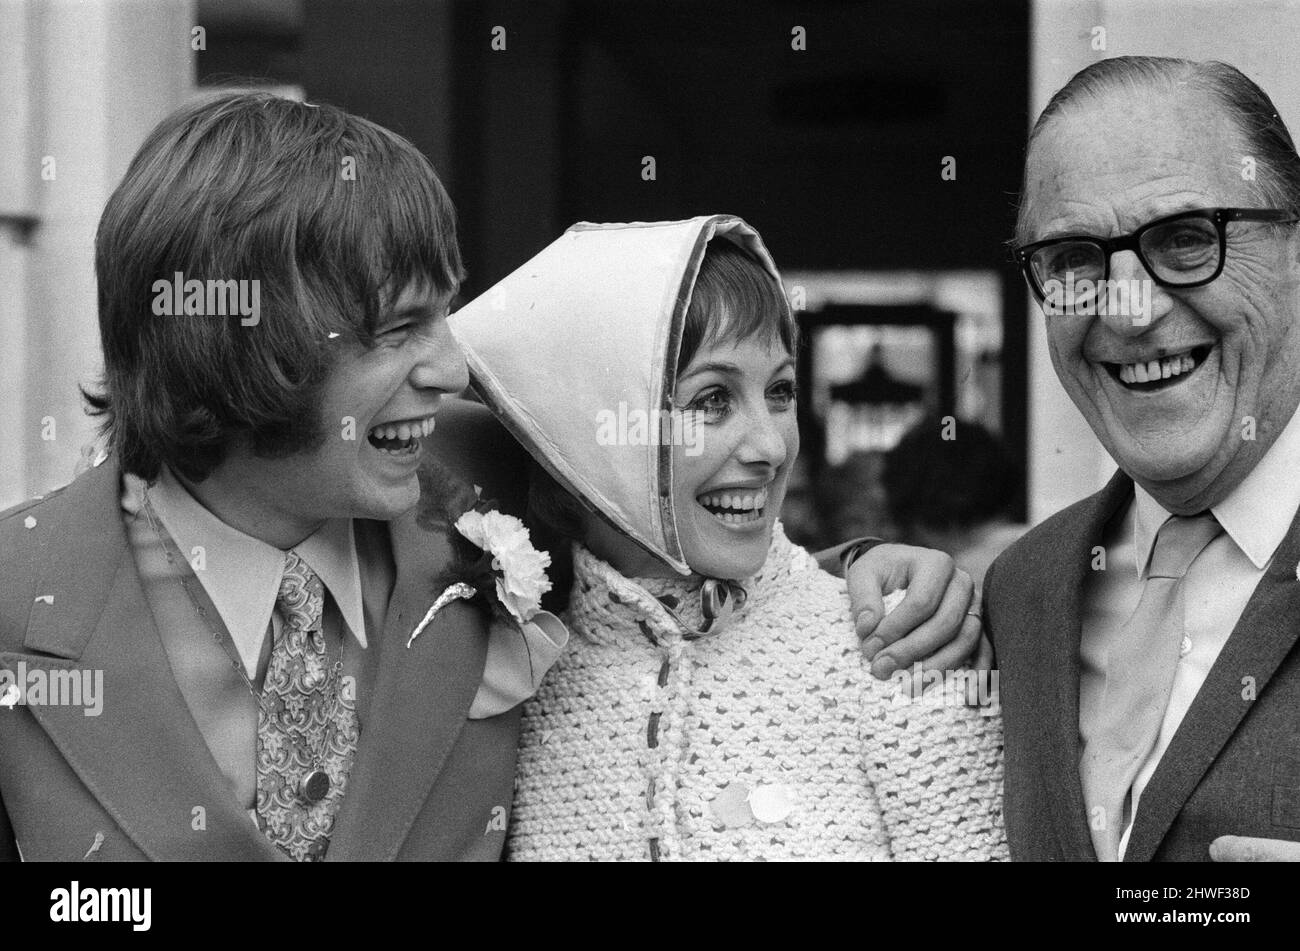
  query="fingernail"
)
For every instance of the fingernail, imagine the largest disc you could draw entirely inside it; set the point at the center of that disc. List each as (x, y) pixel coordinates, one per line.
(871, 647)
(884, 667)
(864, 623)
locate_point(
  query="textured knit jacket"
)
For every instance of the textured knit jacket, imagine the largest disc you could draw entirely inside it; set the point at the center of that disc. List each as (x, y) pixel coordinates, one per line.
(767, 740)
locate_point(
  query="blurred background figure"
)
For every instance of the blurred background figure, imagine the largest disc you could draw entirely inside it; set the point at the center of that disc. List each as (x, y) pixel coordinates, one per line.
(951, 493)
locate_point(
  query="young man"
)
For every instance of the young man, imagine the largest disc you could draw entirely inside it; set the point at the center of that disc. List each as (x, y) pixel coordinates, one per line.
(205, 640)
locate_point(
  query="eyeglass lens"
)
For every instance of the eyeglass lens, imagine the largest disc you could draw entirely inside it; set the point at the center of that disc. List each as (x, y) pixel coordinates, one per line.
(1183, 251)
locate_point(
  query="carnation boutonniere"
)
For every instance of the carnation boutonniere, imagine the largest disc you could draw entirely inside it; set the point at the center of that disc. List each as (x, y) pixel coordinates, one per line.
(497, 566)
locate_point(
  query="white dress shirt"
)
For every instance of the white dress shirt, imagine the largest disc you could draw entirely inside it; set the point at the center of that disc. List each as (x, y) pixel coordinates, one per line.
(241, 574)
(1255, 517)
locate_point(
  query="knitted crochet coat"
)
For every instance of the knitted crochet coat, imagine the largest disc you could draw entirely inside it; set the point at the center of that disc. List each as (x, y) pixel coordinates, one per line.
(767, 740)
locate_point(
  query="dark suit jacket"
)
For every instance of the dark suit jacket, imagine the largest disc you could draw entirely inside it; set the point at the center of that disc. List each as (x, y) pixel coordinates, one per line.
(1233, 767)
(427, 782)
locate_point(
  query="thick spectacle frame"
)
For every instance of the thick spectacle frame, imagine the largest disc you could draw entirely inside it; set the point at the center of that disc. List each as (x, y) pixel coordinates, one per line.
(1035, 261)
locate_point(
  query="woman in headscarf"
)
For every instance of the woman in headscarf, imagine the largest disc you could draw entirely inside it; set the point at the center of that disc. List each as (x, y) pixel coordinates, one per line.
(712, 702)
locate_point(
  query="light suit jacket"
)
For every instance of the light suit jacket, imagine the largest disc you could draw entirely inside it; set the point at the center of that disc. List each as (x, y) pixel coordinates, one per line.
(427, 782)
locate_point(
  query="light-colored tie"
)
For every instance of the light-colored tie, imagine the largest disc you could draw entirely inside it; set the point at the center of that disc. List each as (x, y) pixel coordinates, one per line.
(307, 726)
(1139, 678)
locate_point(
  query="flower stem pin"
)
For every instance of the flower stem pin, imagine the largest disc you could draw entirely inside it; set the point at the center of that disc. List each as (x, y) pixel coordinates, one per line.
(509, 574)
(460, 590)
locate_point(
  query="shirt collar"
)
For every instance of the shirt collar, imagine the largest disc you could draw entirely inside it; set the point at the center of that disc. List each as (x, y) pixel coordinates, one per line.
(1256, 514)
(241, 574)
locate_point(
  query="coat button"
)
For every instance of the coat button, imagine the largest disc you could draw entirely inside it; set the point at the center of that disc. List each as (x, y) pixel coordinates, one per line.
(772, 803)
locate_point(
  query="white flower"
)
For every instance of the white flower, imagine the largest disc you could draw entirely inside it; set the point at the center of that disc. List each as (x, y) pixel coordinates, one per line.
(522, 580)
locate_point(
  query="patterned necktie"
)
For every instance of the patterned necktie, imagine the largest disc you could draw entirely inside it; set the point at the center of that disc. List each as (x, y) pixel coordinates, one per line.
(307, 724)
(1139, 678)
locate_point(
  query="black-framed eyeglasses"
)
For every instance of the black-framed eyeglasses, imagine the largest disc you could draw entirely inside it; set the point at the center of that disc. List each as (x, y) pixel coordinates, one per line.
(1182, 250)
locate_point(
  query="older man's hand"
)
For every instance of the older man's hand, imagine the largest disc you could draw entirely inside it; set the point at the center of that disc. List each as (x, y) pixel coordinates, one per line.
(1240, 848)
(936, 623)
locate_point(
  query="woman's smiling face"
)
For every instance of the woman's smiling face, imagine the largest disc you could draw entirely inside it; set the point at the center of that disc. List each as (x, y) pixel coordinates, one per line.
(735, 432)
(730, 475)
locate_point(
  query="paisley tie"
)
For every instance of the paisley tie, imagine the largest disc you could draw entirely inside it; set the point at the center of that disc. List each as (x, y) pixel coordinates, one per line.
(307, 726)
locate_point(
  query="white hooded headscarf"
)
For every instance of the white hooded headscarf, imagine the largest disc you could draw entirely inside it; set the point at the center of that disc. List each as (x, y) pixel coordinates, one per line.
(587, 334)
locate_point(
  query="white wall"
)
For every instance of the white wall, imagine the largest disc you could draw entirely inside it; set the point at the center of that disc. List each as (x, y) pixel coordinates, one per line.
(81, 82)
(1259, 37)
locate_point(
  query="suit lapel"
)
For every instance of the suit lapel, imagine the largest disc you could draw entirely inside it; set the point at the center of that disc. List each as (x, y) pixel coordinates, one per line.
(1264, 635)
(421, 696)
(1057, 622)
(143, 757)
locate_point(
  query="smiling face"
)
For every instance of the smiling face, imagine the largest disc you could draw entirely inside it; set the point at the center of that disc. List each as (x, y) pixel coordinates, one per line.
(392, 390)
(1106, 167)
(378, 405)
(740, 437)
(729, 478)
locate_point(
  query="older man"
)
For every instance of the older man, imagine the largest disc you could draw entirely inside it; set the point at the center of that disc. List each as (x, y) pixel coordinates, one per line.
(1146, 635)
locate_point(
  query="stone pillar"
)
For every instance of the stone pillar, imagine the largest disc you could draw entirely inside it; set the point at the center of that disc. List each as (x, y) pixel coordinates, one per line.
(83, 81)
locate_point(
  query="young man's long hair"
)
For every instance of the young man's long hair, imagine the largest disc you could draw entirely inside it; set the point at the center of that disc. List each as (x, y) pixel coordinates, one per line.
(331, 214)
